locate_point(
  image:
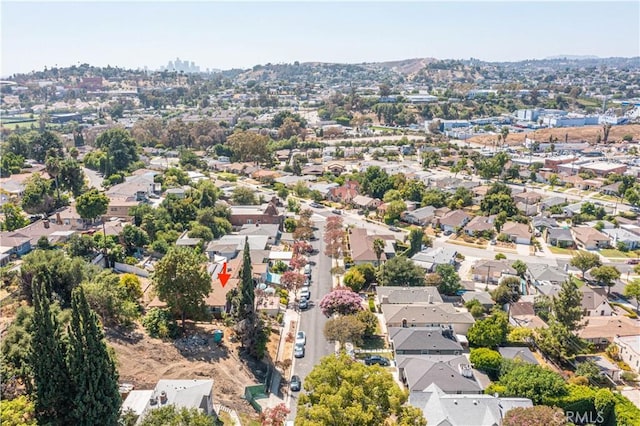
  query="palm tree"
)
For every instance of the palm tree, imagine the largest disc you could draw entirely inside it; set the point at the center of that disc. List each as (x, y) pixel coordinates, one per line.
(378, 248)
(505, 132)
(52, 166)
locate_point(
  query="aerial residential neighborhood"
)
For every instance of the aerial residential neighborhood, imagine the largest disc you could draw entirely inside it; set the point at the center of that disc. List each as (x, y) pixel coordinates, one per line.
(451, 242)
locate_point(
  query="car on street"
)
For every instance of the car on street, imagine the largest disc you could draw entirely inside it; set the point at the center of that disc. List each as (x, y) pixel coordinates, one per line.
(313, 237)
(633, 261)
(298, 351)
(336, 211)
(316, 205)
(377, 359)
(303, 304)
(307, 269)
(301, 338)
(394, 229)
(305, 293)
(295, 384)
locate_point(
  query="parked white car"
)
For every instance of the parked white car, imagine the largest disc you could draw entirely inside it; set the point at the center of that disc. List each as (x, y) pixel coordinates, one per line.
(301, 338)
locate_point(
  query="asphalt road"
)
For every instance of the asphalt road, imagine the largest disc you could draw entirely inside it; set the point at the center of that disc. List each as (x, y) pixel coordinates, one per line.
(95, 179)
(312, 320)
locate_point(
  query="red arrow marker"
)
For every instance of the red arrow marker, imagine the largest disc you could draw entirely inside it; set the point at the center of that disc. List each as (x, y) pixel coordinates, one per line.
(223, 276)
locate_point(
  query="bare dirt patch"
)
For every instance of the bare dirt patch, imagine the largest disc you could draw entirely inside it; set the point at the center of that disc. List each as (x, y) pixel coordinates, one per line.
(142, 361)
(573, 134)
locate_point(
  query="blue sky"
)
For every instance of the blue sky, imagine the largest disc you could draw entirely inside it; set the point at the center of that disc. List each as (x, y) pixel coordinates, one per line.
(242, 34)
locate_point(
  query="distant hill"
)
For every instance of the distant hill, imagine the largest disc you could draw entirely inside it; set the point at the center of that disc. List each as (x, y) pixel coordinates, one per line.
(575, 57)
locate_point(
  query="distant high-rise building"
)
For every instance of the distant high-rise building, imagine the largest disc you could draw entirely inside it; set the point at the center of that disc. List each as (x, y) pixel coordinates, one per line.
(181, 66)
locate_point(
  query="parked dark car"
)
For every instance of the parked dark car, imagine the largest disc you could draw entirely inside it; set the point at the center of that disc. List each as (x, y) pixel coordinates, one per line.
(295, 384)
(303, 304)
(336, 211)
(316, 205)
(377, 359)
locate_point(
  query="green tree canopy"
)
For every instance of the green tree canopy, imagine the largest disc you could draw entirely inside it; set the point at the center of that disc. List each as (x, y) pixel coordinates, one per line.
(341, 391)
(92, 204)
(449, 279)
(181, 280)
(13, 217)
(584, 260)
(120, 149)
(489, 332)
(172, 416)
(486, 360)
(532, 381)
(92, 371)
(400, 271)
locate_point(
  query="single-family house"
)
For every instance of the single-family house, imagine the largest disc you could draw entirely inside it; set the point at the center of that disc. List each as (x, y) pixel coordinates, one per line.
(344, 194)
(453, 220)
(229, 246)
(430, 258)
(481, 296)
(481, 225)
(611, 189)
(268, 213)
(547, 203)
(541, 223)
(595, 301)
(629, 350)
(421, 217)
(522, 314)
(602, 330)
(606, 367)
(518, 353)
(406, 295)
(424, 341)
(518, 233)
(68, 216)
(433, 315)
(622, 236)
(486, 271)
(361, 244)
(364, 202)
(189, 394)
(454, 376)
(589, 238)
(270, 231)
(541, 274)
(442, 409)
(527, 197)
(559, 237)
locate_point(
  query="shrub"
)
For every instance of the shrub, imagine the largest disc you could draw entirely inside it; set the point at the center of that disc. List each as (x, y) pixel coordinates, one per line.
(160, 323)
(500, 256)
(486, 360)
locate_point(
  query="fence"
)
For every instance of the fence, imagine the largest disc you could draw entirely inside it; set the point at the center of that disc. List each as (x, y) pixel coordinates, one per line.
(123, 267)
(251, 393)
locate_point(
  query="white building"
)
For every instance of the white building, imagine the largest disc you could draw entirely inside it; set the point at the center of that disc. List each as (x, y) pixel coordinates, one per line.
(629, 350)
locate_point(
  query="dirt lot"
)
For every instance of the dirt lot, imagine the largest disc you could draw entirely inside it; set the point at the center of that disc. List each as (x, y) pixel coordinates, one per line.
(576, 134)
(142, 361)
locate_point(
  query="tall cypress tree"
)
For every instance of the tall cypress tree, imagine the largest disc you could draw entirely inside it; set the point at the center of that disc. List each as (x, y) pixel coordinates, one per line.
(247, 290)
(91, 369)
(54, 390)
(567, 305)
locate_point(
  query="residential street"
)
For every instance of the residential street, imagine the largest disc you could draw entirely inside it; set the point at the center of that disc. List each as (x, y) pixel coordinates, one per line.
(94, 178)
(312, 321)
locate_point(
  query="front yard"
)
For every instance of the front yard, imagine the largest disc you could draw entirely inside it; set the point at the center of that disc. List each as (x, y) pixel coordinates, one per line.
(617, 253)
(560, 250)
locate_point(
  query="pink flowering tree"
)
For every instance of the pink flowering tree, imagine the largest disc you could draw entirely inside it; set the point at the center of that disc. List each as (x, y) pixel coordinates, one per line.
(341, 301)
(292, 280)
(298, 262)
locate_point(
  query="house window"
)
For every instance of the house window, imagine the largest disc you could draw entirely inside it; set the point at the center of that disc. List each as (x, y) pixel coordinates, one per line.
(113, 209)
(249, 221)
(404, 323)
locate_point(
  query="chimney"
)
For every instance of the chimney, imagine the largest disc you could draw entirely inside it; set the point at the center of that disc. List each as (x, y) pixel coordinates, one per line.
(58, 219)
(163, 397)
(46, 223)
(430, 299)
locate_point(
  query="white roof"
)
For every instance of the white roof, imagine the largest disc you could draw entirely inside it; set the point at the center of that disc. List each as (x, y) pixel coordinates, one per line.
(280, 255)
(137, 401)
